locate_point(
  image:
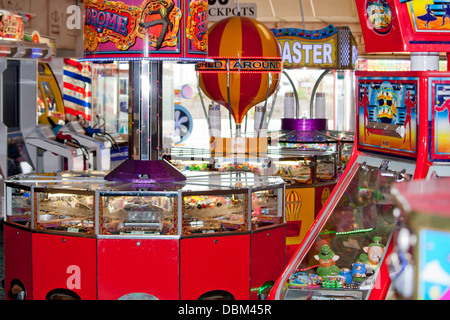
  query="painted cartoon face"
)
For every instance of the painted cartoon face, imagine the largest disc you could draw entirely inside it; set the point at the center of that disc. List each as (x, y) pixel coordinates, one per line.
(374, 254)
(386, 100)
(379, 15)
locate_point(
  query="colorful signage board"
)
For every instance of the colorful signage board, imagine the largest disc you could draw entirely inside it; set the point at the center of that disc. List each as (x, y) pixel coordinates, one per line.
(11, 26)
(328, 48)
(145, 29)
(426, 15)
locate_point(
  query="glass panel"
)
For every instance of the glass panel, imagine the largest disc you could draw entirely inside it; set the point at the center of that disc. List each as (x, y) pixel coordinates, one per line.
(294, 172)
(65, 212)
(147, 215)
(305, 140)
(349, 247)
(265, 208)
(19, 206)
(326, 168)
(110, 98)
(189, 165)
(346, 152)
(218, 213)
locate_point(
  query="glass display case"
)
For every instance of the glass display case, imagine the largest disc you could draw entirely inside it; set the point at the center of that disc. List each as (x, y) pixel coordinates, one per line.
(343, 252)
(304, 140)
(134, 214)
(18, 200)
(308, 167)
(345, 146)
(214, 213)
(63, 210)
(207, 202)
(295, 166)
(304, 167)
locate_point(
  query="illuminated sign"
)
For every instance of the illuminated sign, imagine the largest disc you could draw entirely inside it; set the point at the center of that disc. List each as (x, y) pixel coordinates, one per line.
(325, 48)
(239, 65)
(303, 54)
(145, 29)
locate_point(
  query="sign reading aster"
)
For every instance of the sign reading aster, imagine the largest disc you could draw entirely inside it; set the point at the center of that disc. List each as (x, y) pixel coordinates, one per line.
(327, 48)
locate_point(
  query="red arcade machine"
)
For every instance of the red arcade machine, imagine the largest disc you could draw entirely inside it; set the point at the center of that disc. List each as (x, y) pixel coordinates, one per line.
(144, 230)
(398, 138)
(419, 264)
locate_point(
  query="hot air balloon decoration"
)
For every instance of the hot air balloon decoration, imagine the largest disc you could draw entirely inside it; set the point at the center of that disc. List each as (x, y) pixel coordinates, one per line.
(246, 66)
(293, 206)
(293, 210)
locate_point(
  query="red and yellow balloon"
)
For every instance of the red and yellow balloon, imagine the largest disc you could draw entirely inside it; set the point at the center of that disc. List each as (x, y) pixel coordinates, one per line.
(246, 68)
(293, 206)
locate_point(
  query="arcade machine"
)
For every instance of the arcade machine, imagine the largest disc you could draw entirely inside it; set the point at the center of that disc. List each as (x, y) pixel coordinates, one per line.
(305, 146)
(304, 153)
(74, 234)
(18, 65)
(82, 116)
(344, 255)
(60, 148)
(27, 77)
(332, 49)
(418, 264)
(49, 99)
(68, 145)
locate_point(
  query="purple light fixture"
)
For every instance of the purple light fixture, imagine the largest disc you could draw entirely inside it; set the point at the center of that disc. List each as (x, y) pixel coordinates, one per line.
(145, 33)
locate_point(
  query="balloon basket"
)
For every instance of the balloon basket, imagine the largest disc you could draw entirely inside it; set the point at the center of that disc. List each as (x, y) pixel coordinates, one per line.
(239, 147)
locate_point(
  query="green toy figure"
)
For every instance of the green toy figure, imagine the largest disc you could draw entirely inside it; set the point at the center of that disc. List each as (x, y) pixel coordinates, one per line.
(327, 262)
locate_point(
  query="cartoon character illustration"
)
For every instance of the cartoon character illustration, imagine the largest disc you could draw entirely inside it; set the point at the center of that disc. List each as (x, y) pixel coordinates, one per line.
(379, 15)
(164, 11)
(428, 17)
(443, 107)
(387, 103)
(410, 105)
(327, 262)
(446, 14)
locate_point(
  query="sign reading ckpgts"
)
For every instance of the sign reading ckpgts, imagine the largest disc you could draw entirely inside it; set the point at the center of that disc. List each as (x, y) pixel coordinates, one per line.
(220, 9)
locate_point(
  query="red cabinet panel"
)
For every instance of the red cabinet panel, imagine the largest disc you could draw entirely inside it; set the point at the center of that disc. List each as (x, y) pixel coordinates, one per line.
(138, 268)
(215, 263)
(17, 248)
(268, 257)
(64, 262)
